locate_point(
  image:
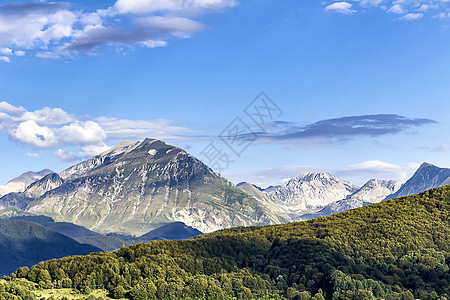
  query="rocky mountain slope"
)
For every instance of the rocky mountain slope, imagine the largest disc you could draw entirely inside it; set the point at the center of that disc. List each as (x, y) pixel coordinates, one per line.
(313, 190)
(374, 191)
(426, 177)
(136, 187)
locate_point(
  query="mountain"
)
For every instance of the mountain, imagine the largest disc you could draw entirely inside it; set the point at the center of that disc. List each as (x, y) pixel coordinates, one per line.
(395, 249)
(426, 177)
(15, 200)
(21, 200)
(43, 185)
(25, 243)
(373, 191)
(314, 190)
(135, 187)
(172, 231)
(19, 183)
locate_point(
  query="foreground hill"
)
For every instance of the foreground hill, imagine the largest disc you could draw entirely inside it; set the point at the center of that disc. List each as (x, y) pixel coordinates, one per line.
(398, 249)
(25, 243)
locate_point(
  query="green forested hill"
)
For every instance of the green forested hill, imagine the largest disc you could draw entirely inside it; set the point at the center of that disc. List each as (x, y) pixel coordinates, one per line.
(398, 249)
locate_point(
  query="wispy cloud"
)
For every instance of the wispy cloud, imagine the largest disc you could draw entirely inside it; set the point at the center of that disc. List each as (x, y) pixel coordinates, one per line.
(343, 128)
(58, 30)
(48, 128)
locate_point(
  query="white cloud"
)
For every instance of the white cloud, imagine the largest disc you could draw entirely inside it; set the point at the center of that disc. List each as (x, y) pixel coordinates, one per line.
(92, 150)
(341, 7)
(33, 135)
(49, 127)
(411, 17)
(34, 25)
(11, 109)
(82, 133)
(46, 116)
(5, 59)
(55, 30)
(121, 129)
(6, 51)
(66, 155)
(149, 6)
(410, 9)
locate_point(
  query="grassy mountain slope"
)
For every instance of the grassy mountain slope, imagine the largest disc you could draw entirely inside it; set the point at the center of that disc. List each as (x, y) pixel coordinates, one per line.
(399, 249)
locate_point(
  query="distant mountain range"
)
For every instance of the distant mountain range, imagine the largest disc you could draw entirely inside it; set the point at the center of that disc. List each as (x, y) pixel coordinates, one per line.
(314, 195)
(136, 187)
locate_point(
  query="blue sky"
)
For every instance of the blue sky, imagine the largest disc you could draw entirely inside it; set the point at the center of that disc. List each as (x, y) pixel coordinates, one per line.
(362, 85)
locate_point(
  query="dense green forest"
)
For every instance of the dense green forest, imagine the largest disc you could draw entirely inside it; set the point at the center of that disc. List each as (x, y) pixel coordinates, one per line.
(399, 249)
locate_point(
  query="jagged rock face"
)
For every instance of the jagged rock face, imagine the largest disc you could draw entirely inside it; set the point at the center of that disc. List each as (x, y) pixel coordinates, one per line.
(425, 178)
(136, 187)
(312, 190)
(40, 187)
(375, 190)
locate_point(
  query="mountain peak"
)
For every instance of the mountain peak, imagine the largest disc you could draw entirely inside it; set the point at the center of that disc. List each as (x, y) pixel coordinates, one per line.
(426, 165)
(426, 177)
(314, 189)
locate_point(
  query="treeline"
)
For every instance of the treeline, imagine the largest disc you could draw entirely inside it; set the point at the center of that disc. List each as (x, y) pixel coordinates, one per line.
(398, 249)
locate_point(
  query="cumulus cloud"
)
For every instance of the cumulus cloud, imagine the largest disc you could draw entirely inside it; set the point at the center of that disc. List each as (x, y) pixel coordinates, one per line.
(33, 135)
(82, 133)
(52, 127)
(32, 25)
(92, 150)
(57, 29)
(341, 7)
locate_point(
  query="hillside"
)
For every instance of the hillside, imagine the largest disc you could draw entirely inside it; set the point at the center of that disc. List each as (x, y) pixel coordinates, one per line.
(25, 243)
(397, 249)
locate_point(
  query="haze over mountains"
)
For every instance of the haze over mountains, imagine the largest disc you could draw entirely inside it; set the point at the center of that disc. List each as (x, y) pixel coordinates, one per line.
(136, 187)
